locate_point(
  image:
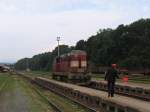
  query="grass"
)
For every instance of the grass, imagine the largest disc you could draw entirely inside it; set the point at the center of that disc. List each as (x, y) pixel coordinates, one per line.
(36, 103)
(142, 80)
(39, 74)
(98, 76)
(17, 93)
(3, 80)
(64, 104)
(132, 79)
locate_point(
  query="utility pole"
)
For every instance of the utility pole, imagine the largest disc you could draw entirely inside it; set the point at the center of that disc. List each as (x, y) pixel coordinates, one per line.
(26, 64)
(58, 39)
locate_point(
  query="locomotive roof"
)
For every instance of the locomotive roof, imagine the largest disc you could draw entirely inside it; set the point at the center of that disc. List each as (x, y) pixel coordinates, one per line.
(78, 52)
(73, 52)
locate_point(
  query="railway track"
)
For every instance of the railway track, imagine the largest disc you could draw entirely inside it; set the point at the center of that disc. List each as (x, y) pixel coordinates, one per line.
(55, 107)
(135, 91)
(33, 87)
(97, 100)
(75, 101)
(76, 93)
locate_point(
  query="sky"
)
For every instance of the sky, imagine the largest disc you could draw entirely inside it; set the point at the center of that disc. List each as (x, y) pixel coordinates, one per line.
(29, 27)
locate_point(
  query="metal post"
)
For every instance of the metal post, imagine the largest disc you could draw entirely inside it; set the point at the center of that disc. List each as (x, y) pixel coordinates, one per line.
(27, 65)
(58, 39)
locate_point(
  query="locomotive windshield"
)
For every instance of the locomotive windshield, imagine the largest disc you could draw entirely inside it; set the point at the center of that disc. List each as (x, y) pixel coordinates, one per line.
(74, 63)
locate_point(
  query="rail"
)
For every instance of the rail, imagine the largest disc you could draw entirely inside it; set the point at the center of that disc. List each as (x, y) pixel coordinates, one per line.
(32, 80)
(56, 109)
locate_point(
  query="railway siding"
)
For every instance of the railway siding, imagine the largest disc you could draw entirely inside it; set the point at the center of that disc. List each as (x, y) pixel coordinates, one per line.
(95, 99)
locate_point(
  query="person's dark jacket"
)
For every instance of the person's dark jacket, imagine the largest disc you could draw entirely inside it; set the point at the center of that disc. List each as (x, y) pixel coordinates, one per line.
(111, 75)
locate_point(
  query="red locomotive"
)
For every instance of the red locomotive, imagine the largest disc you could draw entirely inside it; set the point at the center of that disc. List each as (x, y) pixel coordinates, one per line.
(71, 67)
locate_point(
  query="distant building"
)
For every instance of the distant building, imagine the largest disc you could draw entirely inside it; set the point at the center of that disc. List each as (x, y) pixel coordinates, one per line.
(4, 68)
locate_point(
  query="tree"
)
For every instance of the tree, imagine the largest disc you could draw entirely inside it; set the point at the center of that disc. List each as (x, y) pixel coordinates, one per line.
(81, 45)
(42, 61)
(127, 45)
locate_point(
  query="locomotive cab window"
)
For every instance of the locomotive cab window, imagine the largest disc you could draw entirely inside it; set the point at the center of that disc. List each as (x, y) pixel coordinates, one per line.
(58, 60)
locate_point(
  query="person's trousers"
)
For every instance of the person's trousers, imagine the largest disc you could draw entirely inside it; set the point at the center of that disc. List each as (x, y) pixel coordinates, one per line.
(111, 88)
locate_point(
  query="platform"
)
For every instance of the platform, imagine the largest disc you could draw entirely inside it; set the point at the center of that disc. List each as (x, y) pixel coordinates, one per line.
(141, 106)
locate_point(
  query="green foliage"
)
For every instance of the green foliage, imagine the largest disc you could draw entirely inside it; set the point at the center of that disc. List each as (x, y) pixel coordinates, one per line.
(22, 64)
(127, 45)
(43, 61)
(81, 45)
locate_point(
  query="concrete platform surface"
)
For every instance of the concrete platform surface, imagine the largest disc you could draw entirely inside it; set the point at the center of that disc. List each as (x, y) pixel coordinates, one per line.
(142, 106)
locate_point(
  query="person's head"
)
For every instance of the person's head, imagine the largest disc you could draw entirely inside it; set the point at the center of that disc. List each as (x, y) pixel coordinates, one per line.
(114, 65)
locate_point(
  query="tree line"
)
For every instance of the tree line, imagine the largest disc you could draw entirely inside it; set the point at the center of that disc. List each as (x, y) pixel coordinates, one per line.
(42, 61)
(127, 45)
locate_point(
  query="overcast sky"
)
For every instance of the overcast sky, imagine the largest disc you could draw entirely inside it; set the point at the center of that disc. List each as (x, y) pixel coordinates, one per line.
(29, 27)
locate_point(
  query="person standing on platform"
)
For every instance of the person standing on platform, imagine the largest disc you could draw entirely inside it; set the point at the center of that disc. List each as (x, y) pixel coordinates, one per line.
(110, 77)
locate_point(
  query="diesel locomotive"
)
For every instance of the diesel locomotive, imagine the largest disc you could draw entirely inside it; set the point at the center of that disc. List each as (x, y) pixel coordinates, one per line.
(71, 67)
